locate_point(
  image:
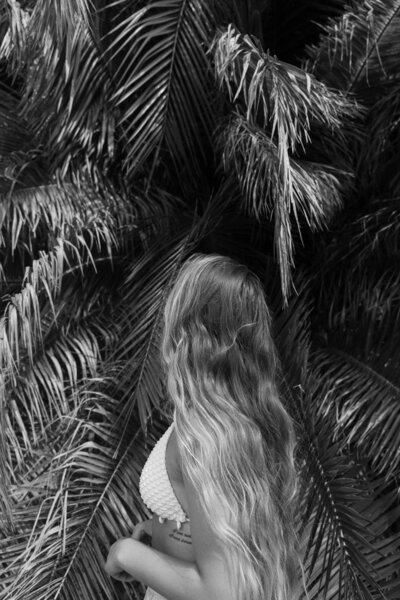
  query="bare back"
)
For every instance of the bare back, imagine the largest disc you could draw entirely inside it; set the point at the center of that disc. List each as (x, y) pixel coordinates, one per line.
(166, 536)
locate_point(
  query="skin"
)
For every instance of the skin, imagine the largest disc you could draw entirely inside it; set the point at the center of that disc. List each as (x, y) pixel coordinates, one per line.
(182, 563)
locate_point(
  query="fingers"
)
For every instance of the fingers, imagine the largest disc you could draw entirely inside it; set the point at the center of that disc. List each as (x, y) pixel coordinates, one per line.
(142, 529)
(148, 526)
(138, 531)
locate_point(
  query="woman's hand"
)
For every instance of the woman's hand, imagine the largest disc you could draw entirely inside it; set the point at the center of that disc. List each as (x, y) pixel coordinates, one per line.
(143, 531)
(118, 552)
(116, 558)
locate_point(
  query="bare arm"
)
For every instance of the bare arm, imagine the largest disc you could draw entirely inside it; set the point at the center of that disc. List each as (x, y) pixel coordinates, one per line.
(172, 577)
(205, 579)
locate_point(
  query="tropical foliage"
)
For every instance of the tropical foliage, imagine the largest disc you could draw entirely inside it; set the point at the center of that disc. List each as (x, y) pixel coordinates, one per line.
(132, 134)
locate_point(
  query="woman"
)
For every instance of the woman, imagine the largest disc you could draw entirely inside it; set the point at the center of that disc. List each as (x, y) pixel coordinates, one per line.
(222, 478)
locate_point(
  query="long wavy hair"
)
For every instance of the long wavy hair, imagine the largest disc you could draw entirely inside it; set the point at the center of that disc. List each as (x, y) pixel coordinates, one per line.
(234, 434)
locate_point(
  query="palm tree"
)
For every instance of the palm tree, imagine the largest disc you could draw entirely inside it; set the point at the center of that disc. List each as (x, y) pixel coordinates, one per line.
(134, 133)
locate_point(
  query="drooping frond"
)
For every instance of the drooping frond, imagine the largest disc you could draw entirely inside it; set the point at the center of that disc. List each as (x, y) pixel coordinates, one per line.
(29, 23)
(359, 362)
(158, 56)
(3, 20)
(78, 216)
(281, 97)
(66, 86)
(10, 122)
(292, 325)
(73, 502)
(291, 192)
(341, 513)
(75, 334)
(90, 230)
(357, 272)
(18, 158)
(58, 17)
(13, 29)
(345, 517)
(21, 322)
(375, 235)
(310, 190)
(42, 356)
(378, 166)
(82, 224)
(359, 52)
(366, 394)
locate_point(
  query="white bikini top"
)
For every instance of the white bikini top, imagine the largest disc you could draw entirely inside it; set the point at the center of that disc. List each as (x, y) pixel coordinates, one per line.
(155, 486)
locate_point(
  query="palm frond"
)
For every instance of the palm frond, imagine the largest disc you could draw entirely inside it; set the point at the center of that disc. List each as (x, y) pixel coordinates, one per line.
(49, 366)
(3, 20)
(365, 392)
(341, 513)
(18, 158)
(14, 38)
(284, 98)
(76, 507)
(66, 87)
(377, 161)
(358, 53)
(357, 273)
(30, 26)
(10, 122)
(375, 233)
(282, 188)
(292, 324)
(357, 338)
(72, 216)
(164, 88)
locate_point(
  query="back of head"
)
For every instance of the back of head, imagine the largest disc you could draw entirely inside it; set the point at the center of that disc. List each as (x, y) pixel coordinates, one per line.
(235, 436)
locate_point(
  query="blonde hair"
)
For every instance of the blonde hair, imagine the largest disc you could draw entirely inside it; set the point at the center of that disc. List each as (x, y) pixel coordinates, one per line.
(234, 434)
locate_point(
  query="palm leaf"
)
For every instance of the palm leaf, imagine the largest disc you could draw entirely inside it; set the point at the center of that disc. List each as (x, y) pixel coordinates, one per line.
(358, 53)
(357, 277)
(13, 27)
(27, 321)
(79, 217)
(366, 394)
(292, 327)
(357, 339)
(374, 235)
(377, 161)
(14, 134)
(66, 86)
(299, 190)
(82, 486)
(341, 510)
(163, 83)
(18, 159)
(282, 97)
(48, 367)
